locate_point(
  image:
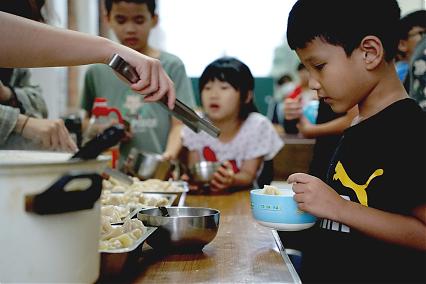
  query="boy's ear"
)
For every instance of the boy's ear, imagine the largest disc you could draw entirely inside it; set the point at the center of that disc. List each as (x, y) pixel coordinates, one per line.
(154, 20)
(372, 50)
(106, 17)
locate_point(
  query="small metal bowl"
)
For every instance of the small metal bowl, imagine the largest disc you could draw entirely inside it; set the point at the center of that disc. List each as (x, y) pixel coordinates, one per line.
(146, 165)
(185, 230)
(202, 172)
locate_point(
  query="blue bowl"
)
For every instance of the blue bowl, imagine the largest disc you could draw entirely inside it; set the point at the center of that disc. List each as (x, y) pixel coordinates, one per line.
(279, 212)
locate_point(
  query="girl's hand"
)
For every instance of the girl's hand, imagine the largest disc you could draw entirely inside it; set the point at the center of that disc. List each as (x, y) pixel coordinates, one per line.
(315, 197)
(223, 178)
(51, 133)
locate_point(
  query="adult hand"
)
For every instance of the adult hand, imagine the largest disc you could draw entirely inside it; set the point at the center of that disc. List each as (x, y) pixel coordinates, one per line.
(5, 92)
(223, 178)
(293, 108)
(314, 196)
(52, 134)
(153, 80)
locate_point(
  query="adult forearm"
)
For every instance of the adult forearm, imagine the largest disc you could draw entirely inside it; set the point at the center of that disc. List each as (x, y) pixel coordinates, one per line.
(33, 44)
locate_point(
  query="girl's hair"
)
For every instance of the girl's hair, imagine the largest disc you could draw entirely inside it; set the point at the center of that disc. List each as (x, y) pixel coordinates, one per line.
(236, 73)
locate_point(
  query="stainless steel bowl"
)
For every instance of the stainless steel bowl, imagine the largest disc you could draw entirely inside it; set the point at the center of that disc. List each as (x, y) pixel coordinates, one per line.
(146, 165)
(202, 172)
(187, 229)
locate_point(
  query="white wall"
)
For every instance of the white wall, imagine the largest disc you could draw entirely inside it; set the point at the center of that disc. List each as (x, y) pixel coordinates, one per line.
(408, 6)
(199, 31)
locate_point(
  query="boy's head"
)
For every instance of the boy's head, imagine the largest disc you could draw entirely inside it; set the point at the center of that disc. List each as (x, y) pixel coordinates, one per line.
(149, 3)
(344, 23)
(412, 28)
(132, 21)
(238, 75)
(348, 48)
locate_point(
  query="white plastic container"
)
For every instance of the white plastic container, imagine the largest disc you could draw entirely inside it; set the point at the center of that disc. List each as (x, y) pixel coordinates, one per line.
(39, 243)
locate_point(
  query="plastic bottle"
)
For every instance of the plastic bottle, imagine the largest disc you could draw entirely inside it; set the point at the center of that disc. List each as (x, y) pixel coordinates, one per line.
(101, 119)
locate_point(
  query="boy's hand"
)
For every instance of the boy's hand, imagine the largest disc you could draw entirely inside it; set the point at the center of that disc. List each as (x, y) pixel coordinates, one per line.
(315, 197)
(223, 178)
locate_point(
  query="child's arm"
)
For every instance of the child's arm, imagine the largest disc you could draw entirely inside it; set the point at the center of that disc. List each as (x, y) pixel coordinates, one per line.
(333, 127)
(174, 141)
(225, 177)
(317, 198)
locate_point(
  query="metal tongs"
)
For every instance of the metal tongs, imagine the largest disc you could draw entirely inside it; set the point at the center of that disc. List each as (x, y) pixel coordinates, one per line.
(180, 111)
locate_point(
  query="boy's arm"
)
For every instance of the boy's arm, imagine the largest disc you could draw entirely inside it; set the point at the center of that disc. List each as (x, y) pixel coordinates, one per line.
(403, 230)
(317, 198)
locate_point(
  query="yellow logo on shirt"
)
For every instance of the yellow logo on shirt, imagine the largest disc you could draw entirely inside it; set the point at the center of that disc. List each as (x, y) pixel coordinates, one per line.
(360, 190)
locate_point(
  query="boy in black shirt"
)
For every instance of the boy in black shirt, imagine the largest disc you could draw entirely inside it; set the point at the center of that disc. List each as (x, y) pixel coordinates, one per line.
(372, 209)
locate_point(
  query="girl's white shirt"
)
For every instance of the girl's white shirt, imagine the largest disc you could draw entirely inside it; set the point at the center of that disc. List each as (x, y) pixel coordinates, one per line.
(255, 138)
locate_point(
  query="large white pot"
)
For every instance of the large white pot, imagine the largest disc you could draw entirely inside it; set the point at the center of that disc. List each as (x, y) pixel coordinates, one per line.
(38, 242)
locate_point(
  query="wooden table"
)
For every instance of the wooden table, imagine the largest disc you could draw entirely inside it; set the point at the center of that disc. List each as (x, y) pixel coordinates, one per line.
(242, 251)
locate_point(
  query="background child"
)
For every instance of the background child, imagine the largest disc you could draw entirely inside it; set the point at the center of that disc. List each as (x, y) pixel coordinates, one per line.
(247, 138)
(372, 209)
(411, 29)
(152, 127)
(301, 97)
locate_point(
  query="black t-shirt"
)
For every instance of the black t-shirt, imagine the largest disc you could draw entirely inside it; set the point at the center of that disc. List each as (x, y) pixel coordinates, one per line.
(379, 163)
(324, 145)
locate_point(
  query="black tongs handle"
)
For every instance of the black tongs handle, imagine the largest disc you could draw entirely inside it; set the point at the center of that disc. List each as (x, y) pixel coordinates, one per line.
(108, 138)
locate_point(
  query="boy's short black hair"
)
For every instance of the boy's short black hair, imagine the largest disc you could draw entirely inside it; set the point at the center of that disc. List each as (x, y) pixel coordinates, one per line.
(149, 3)
(236, 73)
(411, 20)
(344, 23)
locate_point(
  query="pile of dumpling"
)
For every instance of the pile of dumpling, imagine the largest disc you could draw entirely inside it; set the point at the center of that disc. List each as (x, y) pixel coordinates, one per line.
(116, 237)
(150, 185)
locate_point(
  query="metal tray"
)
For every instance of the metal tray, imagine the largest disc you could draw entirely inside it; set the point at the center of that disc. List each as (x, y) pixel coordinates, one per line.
(113, 261)
(171, 198)
(135, 245)
(180, 195)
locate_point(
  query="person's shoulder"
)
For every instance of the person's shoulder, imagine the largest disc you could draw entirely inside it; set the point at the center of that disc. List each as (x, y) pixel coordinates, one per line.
(169, 58)
(98, 69)
(257, 120)
(257, 117)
